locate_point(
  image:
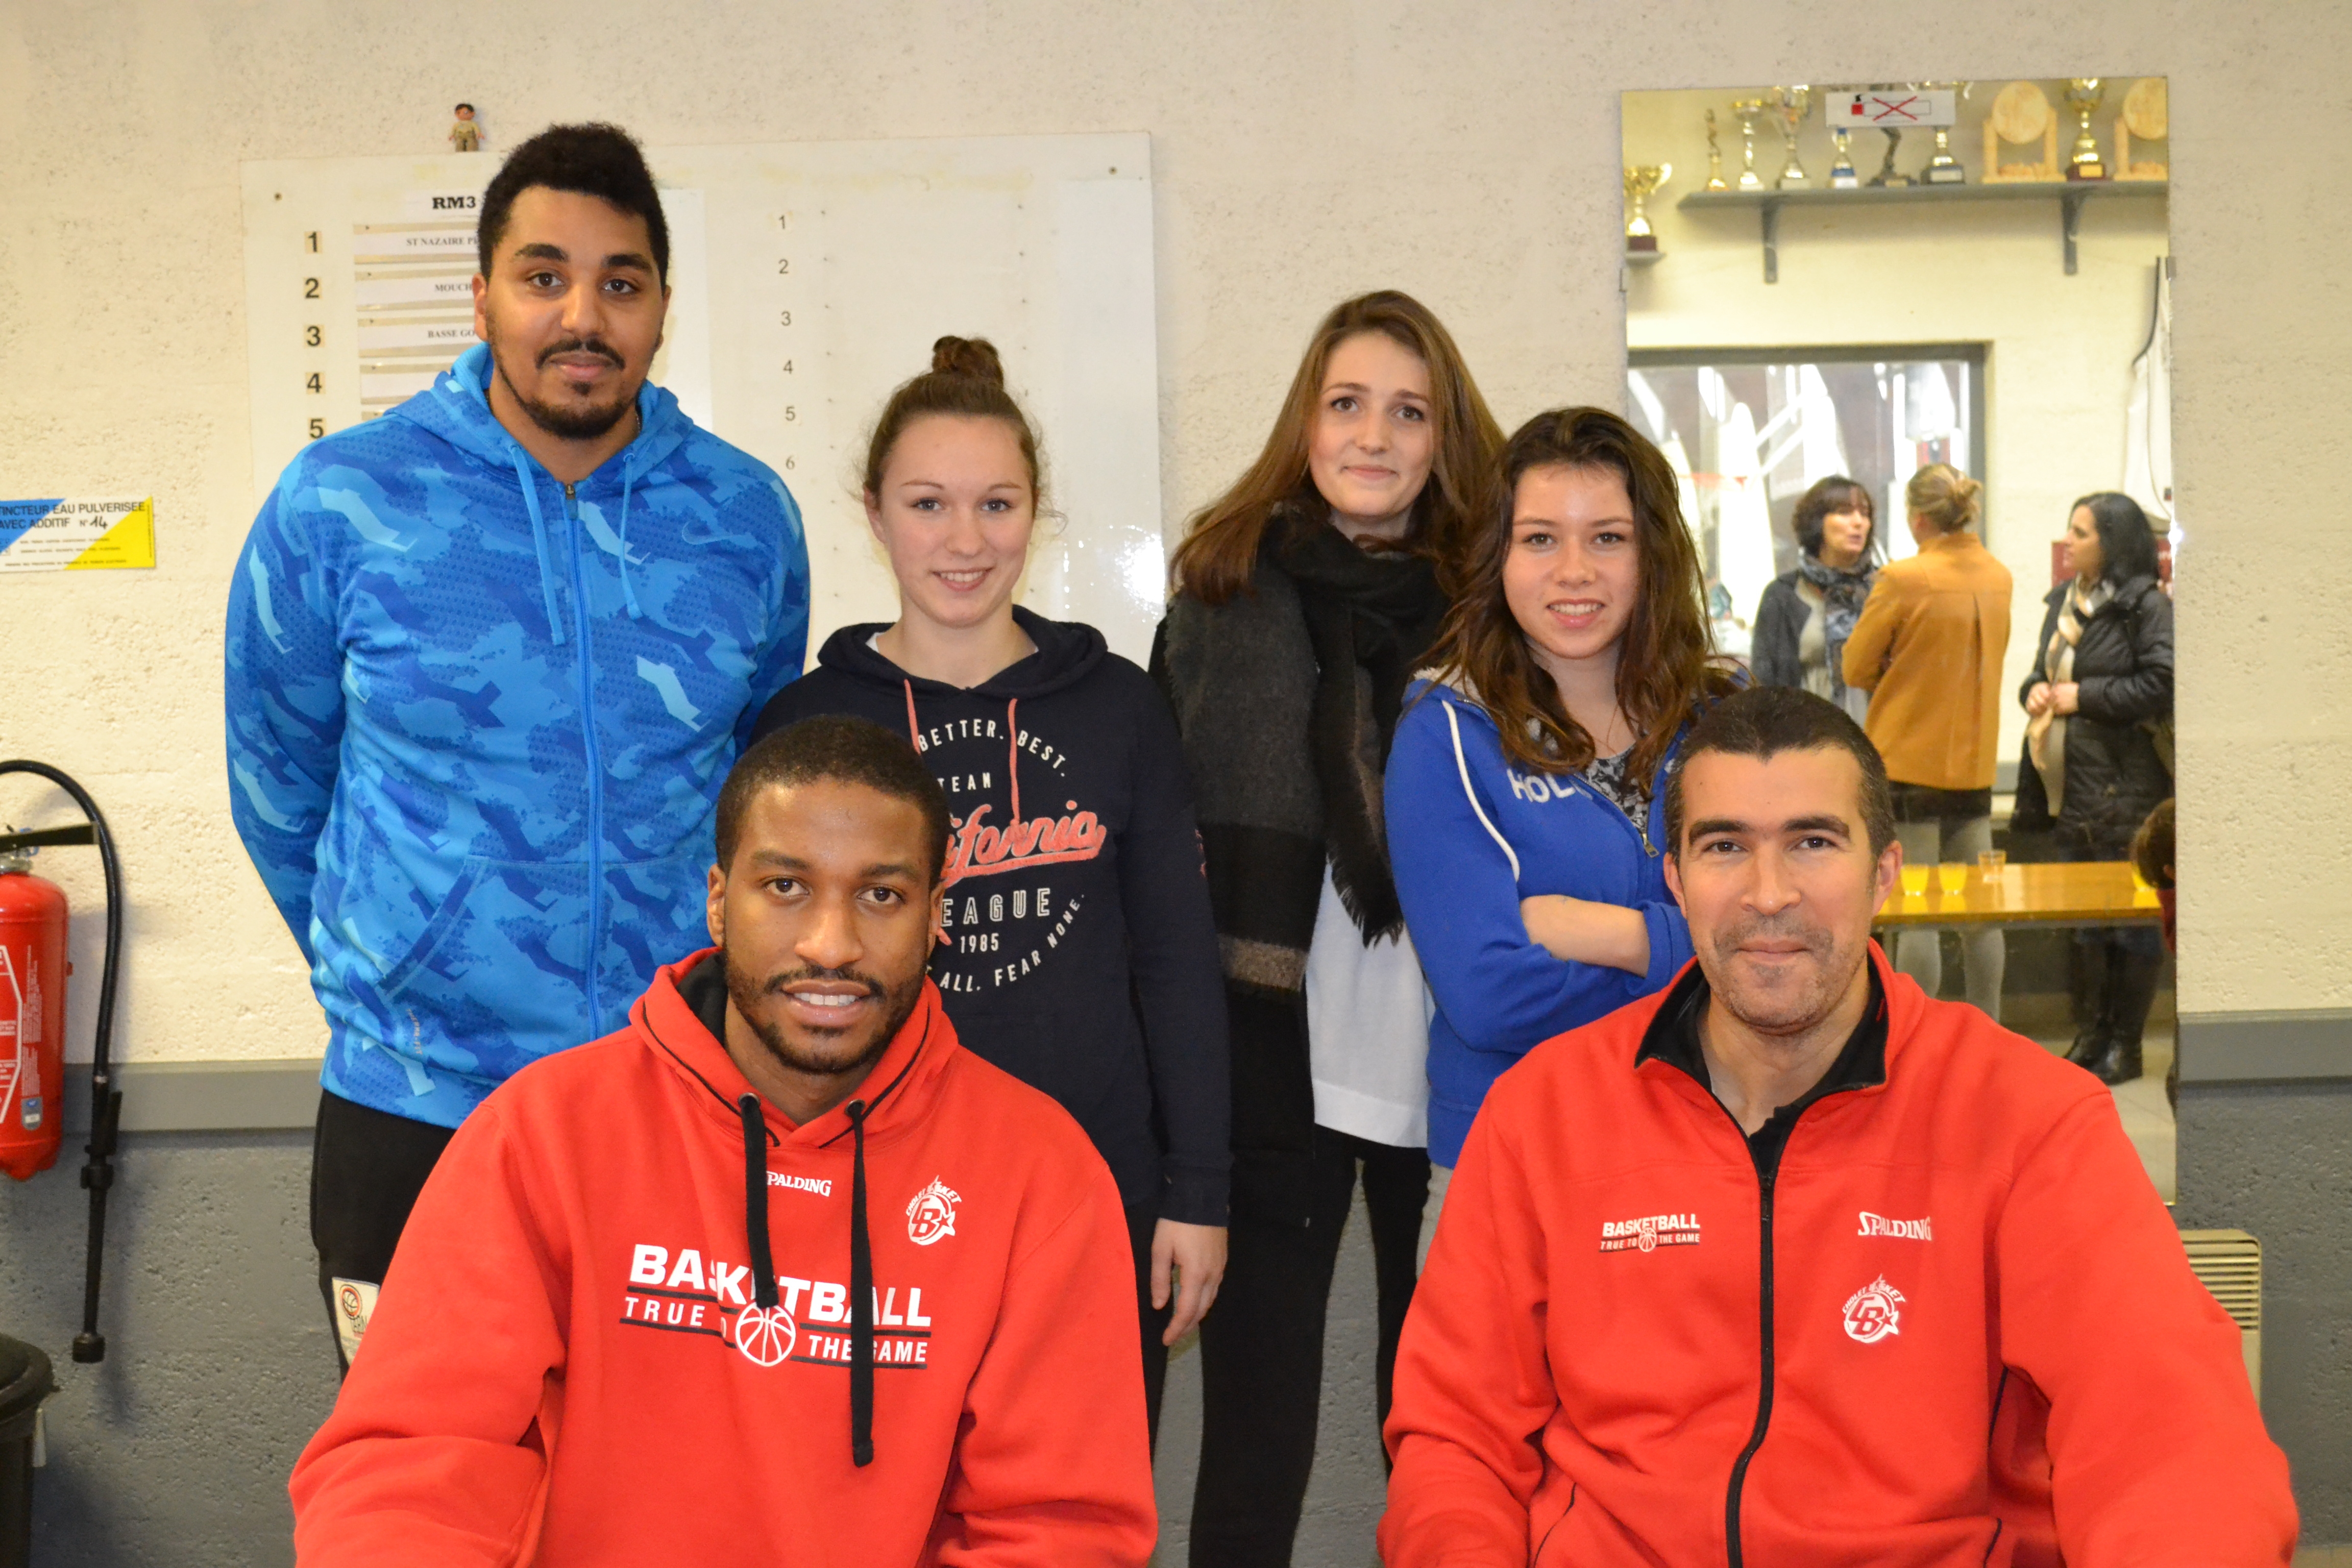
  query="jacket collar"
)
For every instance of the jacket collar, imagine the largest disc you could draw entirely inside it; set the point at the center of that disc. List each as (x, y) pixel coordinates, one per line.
(895, 1092)
(1671, 1037)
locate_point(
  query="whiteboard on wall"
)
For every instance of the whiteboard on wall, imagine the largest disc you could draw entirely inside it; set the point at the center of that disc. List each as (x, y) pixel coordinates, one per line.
(807, 279)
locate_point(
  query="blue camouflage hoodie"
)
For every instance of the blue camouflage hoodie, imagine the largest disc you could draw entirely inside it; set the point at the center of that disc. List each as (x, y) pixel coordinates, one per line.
(1469, 837)
(479, 720)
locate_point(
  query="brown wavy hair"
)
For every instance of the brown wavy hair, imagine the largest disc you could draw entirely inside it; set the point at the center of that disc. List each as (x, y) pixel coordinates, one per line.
(1666, 667)
(1220, 551)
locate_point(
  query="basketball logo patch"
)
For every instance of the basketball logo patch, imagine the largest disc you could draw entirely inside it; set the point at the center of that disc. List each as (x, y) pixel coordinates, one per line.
(933, 1214)
(1873, 1312)
(765, 1338)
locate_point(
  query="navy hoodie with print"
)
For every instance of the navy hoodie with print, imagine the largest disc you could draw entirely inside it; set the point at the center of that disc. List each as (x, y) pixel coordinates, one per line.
(1081, 958)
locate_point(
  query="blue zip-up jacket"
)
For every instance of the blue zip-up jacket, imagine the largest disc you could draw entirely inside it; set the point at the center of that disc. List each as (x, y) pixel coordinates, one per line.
(478, 722)
(1469, 837)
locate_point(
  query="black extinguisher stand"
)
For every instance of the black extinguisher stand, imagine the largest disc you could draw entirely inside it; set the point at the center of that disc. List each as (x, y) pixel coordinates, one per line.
(105, 1099)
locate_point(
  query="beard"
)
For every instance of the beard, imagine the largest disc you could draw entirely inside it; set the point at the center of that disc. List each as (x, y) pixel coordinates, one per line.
(748, 992)
(568, 421)
(1801, 996)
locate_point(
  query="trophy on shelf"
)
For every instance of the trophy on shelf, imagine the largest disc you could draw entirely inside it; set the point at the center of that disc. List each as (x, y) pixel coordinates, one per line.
(2083, 95)
(1886, 178)
(1842, 173)
(1748, 109)
(1714, 158)
(1641, 182)
(1943, 169)
(2144, 118)
(1789, 106)
(2020, 116)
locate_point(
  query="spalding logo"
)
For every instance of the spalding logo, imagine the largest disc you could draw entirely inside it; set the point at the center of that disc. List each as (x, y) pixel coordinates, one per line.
(933, 1214)
(1873, 1311)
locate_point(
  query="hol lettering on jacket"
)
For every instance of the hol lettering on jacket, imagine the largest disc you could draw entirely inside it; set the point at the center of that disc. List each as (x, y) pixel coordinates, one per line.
(1649, 1233)
(1920, 1229)
(1537, 788)
(686, 1292)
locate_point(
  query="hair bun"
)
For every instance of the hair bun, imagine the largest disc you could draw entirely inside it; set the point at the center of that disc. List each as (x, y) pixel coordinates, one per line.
(974, 357)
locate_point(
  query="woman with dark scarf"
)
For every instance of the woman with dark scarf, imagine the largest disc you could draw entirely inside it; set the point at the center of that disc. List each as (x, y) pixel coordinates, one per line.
(2099, 734)
(1307, 596)
(1807, 613)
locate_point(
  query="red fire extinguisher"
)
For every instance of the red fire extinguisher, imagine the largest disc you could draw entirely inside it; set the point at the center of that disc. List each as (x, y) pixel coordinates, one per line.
(33, 970)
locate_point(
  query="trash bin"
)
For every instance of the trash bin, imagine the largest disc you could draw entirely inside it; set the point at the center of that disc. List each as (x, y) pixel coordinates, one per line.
(25, 1382)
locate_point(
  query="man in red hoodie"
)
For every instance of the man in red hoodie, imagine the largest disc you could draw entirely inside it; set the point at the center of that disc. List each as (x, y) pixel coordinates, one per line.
(1793, 1264)
(778, 1273)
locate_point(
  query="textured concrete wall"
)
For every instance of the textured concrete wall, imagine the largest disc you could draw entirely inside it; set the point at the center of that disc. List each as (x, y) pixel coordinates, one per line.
(1302, 152)
(2276, 1160)
(174, 1452)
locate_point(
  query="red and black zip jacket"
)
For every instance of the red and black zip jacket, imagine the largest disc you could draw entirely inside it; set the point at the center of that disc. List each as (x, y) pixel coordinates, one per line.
(1932, 1313)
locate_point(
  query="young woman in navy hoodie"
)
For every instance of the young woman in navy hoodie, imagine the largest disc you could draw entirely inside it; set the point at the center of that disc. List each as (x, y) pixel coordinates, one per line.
(1078, 953)
(1527, 786)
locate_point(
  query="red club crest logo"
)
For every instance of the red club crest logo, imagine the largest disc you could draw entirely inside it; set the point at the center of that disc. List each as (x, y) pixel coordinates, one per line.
(933, 1214)
(765, 1336)
(1873, 1312)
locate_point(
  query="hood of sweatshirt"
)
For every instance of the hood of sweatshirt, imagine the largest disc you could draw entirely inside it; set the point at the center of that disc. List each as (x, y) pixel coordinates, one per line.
(1067, 652)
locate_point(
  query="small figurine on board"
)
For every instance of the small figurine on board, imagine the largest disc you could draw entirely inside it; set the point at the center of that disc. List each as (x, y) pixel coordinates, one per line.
(466, 136)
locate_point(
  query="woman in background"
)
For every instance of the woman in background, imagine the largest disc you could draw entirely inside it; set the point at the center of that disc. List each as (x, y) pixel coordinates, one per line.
(1806, 614)
(2099, 708)
(1307, 596)
(1526, 789)
(1077, 951)
(1928, 648)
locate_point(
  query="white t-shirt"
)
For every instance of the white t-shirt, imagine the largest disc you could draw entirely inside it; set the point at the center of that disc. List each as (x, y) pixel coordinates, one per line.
(1368, 1012)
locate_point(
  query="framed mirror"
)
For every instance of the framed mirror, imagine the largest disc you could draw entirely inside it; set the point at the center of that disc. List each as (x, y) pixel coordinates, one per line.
(1890, 335)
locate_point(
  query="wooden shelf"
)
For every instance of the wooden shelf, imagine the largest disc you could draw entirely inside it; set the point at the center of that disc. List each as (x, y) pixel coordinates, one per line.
(2070, 195)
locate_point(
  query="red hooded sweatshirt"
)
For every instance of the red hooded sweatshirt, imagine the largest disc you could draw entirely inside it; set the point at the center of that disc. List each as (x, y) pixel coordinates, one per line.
(1933, 1313)
(573, 1362)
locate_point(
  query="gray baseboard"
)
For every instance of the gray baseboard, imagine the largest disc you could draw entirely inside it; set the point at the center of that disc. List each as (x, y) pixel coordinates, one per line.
(2266, 1047)
(272, 1095)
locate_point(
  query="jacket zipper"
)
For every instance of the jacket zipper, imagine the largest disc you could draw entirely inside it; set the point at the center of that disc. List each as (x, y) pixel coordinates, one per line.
(1766, 1181)
(595, 769)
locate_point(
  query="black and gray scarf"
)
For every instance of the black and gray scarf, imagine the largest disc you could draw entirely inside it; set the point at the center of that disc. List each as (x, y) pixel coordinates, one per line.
(1843, 593)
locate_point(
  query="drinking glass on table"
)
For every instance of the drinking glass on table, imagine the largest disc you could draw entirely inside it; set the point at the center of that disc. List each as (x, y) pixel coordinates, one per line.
(1915, 881)
(1952, 877)
(1991, 863)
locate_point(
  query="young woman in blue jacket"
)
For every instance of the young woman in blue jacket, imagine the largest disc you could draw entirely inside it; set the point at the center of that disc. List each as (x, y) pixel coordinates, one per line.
(1527, 785)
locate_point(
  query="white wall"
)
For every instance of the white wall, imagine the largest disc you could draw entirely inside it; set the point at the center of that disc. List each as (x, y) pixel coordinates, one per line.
(1302, 152)
(2058, 369)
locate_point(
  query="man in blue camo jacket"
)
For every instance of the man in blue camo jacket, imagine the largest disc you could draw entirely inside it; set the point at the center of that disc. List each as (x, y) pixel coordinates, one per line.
(490, 658)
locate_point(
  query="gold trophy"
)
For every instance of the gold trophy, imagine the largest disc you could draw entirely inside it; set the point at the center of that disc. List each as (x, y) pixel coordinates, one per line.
(1641, 182)
(2083, 94)
(1714, 158)
(1943, 169)
(1789, 107)
(1841, 171)
(1748, 109)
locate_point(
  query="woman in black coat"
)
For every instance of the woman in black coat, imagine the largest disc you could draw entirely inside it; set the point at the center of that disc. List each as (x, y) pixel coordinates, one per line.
(1807, 612)
(2100, 707)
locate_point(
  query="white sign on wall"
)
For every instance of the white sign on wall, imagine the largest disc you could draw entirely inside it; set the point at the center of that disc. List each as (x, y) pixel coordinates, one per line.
(1891, 108)
(808, 280)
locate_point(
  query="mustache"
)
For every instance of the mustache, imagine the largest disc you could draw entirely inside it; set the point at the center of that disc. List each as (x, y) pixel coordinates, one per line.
(775, 983)
(596, 346)
(1773, 927)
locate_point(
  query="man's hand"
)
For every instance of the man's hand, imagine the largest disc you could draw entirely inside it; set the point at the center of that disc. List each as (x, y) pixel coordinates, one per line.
(2037, 701)
(1190, 1259)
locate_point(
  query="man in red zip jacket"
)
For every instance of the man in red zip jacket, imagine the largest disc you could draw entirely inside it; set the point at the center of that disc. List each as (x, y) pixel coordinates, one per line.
(1793, 1264)
(780, 1273)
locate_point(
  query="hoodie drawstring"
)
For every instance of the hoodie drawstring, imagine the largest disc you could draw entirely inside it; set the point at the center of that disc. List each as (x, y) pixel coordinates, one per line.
(628, 588)
(539, 538)
(755, 1203)
(1012, 759)
(1012, 743)
(861, 1301)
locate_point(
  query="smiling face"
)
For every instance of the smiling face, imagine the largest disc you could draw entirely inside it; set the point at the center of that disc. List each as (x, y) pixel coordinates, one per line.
(954, 515)
(1573, 573)
(1844, 536)
(1373, 437)
(572, 312)
(2083, 544)
(1777, 878)
(826, 922)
